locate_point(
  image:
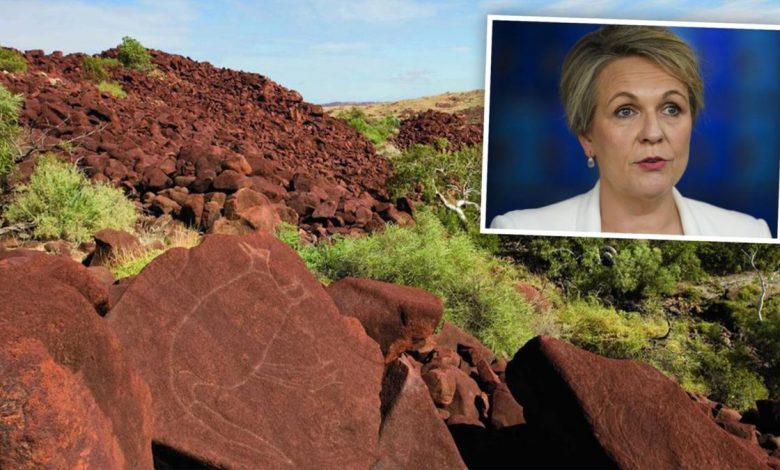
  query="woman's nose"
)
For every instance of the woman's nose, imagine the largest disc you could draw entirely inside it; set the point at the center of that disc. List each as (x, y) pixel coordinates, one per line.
(651, 129)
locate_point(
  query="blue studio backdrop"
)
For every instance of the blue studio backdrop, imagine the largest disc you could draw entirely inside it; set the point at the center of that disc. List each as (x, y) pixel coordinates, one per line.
(534, 160)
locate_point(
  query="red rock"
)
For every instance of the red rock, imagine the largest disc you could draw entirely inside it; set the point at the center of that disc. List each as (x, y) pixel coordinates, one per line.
(397, 317)
(533, 296)
(740, 430)
(429, 127)
(253, 208)
(467, 393)
(110, 243)
(443, 356)
(154, 179)
(50, 417)
(212, 211)
(324, 210)
(38, 306)
(59, 247)
(233, 336)
(192, 209)
(61, 268)
(467, 346)
(230, 181)
(607, 412)
(413, 436)
(488, 379)
(272, 191)
(164, 205)
(238, 164)
(103, 275)
(441, 385)
(505, 411)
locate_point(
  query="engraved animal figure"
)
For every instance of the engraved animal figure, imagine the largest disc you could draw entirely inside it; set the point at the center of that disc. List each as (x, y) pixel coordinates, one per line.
(222, 344)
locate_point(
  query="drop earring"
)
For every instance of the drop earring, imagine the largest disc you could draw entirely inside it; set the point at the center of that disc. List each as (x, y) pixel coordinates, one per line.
(591, 162)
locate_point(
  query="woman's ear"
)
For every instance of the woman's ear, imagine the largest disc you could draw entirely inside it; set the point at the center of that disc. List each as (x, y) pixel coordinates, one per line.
(587, 145)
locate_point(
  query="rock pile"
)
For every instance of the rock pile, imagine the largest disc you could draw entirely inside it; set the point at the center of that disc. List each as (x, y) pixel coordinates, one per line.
(190, 135)
(232, 355)
(429, 127)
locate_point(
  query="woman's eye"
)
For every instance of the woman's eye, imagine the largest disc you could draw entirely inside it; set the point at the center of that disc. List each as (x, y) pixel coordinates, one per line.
(672, 109)
(624, 112)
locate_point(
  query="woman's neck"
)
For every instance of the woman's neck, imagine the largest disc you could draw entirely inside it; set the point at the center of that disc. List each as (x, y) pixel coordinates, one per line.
(620, 214)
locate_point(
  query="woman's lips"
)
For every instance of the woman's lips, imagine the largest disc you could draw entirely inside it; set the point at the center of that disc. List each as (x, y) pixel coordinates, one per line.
(652, 163)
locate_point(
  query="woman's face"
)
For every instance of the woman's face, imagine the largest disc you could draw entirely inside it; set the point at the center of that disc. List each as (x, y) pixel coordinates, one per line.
(641, 129)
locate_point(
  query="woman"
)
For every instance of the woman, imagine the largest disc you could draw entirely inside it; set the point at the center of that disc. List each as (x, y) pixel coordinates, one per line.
(631, 95)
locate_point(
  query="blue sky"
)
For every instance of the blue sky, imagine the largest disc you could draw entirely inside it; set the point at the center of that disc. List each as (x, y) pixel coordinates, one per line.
(330, 50)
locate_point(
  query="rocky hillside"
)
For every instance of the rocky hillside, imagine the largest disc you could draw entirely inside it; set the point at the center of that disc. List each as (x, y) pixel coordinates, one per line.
(189, 134)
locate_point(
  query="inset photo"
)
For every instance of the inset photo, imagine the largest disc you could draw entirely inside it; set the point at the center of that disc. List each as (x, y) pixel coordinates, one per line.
(631, 129)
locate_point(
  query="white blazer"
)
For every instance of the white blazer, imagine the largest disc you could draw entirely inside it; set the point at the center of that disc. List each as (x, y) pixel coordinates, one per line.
(582, 214)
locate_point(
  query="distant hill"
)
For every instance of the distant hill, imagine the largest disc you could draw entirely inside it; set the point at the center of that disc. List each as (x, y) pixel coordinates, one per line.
(450, 102)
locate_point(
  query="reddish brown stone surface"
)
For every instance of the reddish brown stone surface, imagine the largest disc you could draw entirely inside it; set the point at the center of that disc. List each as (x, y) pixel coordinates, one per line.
(618, 413)
(413, 436)
(50, 418)
(430, 126)
(23, 263)
(110, 243)
(467, 346)
(249, 360)
(43, 301)
(397, 317)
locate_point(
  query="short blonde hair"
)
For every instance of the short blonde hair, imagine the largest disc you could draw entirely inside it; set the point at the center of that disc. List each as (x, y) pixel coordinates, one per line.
(595, 50)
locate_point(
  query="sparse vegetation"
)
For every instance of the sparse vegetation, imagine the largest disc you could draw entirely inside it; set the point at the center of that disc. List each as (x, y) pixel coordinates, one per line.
(12, 61)
(62, 203)
(377, 130)
(133, 55)
(478, 290)
(95, 67)
(9, 132)
(130, 264)
(112, 88)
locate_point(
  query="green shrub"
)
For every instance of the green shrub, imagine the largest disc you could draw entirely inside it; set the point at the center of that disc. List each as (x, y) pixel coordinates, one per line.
(131, 265)
(95, 67)
(694, 353)
(133, 55)
(9, 132)
(620, 272)
(12, 61)
(113, 88)
(609, 332)
(62, 203)
(478, 291)
(375, 130)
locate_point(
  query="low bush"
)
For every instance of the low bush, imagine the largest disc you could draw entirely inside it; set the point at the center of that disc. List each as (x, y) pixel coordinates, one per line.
(478, 290)
(694, 352)
(623, 273)
(133, 55)
(62, 203)
(95, 67)
(9, 132)
(375, 130)
(112, 88)
(12, 61)
(132, 263)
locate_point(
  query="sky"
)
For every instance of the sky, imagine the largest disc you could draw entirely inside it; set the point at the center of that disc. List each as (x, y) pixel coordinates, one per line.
(330, 50)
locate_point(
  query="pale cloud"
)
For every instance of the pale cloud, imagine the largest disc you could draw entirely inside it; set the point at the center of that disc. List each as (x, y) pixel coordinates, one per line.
(80, 26)
(412, 77)
(740, 11)
(374, 11)
(340, 46)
